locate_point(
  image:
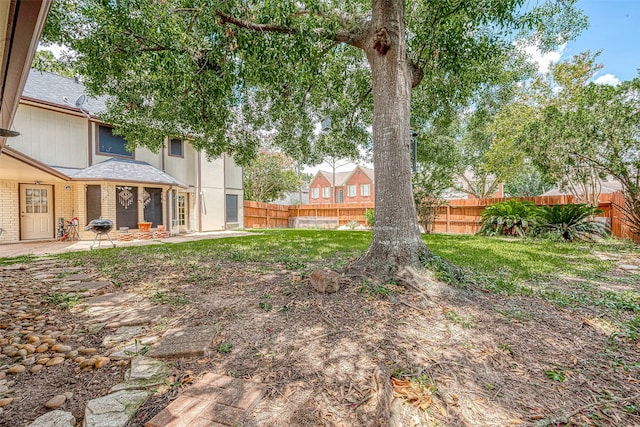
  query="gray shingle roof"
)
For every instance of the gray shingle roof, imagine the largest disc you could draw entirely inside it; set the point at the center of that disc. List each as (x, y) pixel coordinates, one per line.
(117, 169)
(52, 88)
(342, 177)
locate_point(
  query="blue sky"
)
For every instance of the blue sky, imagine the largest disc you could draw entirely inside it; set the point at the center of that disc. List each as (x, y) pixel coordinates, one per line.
(614, 28)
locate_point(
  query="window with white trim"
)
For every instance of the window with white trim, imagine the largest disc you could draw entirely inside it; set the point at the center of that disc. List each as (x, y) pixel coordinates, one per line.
(351, 190)
(325, 192)
(365, 189)
(315, 193)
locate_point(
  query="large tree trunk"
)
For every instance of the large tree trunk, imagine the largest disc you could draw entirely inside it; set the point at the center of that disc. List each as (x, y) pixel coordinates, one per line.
(397, 242)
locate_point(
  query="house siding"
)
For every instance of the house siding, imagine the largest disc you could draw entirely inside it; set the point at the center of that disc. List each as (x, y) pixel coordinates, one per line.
(51, 137)
(59, 137)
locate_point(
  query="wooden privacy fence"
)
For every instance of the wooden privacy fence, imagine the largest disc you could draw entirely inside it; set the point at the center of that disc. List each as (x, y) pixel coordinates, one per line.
(458, 217)
(265, 215)
(268, 215)
(463, 216)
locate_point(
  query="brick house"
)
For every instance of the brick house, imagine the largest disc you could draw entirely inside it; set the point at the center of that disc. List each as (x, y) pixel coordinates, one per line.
(66, 163)
(356, 186)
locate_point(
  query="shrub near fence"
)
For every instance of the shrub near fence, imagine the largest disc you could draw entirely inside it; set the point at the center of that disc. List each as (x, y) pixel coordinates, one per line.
(463, 216)
(458, 217)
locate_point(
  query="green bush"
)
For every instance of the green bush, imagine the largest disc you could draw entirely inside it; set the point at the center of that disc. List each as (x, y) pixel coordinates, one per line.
(568, 222)
(369, 214)
(510, 218)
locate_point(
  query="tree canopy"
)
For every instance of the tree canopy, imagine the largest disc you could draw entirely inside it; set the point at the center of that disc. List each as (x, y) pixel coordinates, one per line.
(220, 72)
(269, 177)
(565, 129)
(45, 60)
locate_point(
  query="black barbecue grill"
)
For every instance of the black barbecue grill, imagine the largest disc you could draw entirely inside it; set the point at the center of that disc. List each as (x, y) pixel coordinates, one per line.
(101, 227)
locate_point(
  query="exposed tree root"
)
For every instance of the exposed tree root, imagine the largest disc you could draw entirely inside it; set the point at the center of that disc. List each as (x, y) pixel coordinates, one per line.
(417, 271)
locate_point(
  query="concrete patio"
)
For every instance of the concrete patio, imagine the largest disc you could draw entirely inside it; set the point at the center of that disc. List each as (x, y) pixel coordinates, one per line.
(52, 247)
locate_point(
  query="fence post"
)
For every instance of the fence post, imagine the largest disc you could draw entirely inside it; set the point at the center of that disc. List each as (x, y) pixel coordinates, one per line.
(267, 214)
(448, 218)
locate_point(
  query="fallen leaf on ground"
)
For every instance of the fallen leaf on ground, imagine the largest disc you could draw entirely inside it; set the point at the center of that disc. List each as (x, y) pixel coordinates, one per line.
(412, 393)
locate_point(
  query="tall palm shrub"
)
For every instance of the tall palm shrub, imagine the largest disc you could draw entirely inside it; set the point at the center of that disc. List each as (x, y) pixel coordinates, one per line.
(568, 222)
(510, 218)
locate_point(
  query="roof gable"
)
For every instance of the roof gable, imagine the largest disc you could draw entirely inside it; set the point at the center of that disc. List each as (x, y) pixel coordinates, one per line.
(116, 169)
(341, 178)
(59, 90)
(368, 172)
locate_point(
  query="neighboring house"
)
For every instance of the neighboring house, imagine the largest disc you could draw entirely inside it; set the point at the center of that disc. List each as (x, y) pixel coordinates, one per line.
(66, 163)
(602, 186)
(356, 186)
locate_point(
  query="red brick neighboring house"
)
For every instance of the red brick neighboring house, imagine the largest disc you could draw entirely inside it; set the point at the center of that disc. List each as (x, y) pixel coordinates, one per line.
(356, 186)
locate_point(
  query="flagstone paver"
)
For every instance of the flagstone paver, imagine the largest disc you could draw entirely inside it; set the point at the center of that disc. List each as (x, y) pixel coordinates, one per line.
(114, 410)
(77, 286)
(139, 316)
(215, 400)
(105, 307)
(144, 372)
(133, 348)
(122, 334)
(54, 419)
(109, 300)
(80, 276)
(184, 342)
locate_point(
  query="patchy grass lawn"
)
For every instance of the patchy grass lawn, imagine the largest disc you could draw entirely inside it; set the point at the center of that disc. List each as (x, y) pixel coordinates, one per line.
(540, 333)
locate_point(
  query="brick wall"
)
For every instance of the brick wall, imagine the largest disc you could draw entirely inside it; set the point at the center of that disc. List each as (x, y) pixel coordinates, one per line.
(358, 178)
(9, 212)
(320, 182)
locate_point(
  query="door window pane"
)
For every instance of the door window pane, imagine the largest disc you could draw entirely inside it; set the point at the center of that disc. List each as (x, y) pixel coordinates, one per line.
(36, 200)
(181, 210)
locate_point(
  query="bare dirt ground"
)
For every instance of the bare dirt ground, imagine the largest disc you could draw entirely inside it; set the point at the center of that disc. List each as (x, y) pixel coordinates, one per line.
(474, 358)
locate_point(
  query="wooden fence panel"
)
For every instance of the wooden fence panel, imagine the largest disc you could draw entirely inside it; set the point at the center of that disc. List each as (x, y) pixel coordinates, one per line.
(265, 215)
(345, 212)
(458, 217)
(463, 216)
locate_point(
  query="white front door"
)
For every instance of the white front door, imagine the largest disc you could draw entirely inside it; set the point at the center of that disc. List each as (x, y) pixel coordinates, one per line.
(36, 212)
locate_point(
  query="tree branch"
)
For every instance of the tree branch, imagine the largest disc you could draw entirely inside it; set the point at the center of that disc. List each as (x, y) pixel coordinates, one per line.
(345, 36)
(157, 48)
(360, 101)
(267, 28)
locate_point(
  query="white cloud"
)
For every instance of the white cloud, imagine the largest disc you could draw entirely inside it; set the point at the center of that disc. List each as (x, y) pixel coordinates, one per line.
(607, 79)
(543, 59)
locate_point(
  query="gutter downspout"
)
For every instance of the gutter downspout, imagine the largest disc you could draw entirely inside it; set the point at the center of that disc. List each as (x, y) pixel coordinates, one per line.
(224, 190)
(199, 190)
(169, 199)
